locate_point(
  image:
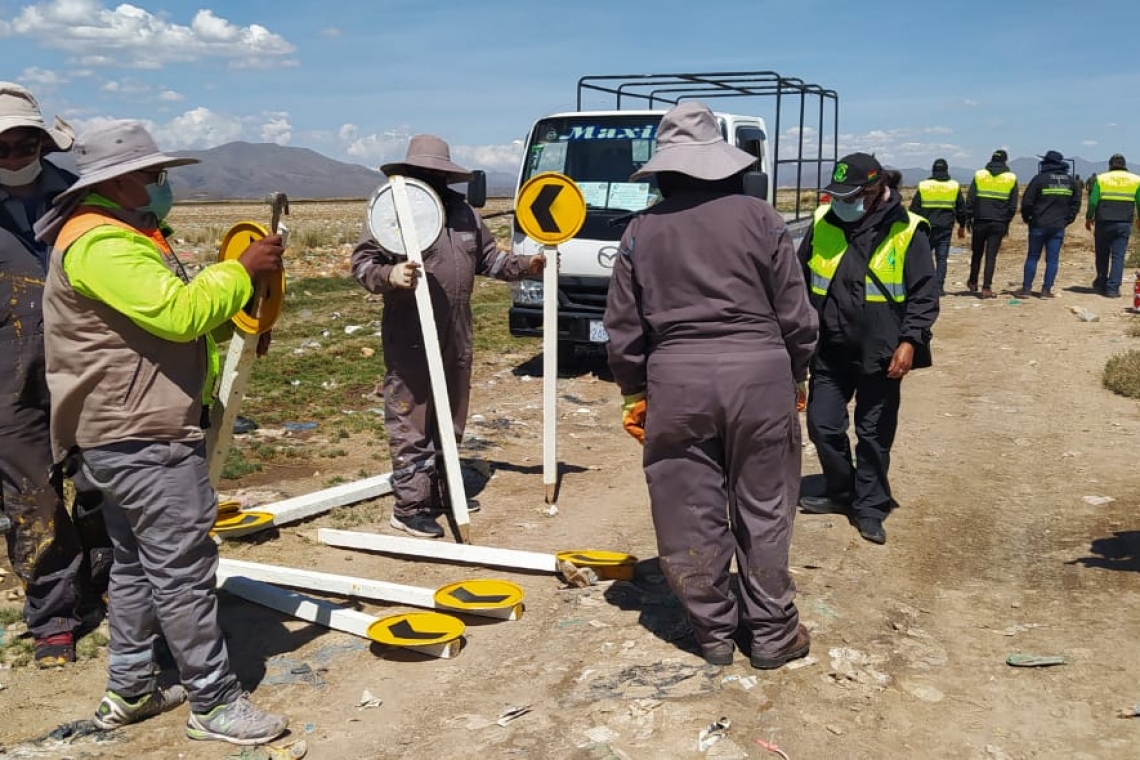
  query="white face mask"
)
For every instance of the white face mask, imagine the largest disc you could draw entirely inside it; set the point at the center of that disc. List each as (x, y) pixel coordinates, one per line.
(21, 177)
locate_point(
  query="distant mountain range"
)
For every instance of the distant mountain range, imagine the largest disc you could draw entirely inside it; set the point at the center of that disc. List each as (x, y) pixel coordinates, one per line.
(245, 171)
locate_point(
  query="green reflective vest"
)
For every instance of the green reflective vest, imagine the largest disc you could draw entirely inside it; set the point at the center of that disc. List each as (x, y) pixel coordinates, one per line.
(937, 193)
(1118, 185)
(888, 261)
(997, 187)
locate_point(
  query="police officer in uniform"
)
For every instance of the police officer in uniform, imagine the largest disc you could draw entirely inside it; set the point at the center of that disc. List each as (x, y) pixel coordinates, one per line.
(872, 279)
(990, 206)
(939, 199)
(1051, 203)
(1113, 201)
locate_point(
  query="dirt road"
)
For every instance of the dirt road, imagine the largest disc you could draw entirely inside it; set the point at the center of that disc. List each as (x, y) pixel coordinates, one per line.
(995, 550)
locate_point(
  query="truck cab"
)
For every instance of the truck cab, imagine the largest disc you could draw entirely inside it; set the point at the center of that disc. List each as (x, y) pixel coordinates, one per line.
(600, 150)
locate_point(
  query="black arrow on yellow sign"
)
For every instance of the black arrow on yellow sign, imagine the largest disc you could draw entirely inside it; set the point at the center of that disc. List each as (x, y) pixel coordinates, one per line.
(467, 597)
(404, 630)
(540, 208)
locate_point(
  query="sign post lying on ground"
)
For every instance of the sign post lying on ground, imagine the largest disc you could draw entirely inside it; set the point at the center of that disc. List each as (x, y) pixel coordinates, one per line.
(502, 600)
(430, 633)
(550, 209)
(602, 564)
(232, 522)
(411, 209)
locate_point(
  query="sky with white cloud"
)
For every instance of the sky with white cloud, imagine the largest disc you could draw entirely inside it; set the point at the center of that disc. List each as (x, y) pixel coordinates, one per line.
(352, 79)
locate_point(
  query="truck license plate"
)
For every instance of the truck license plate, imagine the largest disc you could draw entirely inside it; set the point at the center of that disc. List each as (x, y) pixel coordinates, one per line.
(598, 333)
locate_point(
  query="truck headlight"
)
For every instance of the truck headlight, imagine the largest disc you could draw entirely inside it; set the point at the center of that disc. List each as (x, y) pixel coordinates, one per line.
(526, 293)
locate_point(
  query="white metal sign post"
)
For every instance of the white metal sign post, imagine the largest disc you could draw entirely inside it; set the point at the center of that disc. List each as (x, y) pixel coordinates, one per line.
(550, 209)
(397, 188)
(550, 374)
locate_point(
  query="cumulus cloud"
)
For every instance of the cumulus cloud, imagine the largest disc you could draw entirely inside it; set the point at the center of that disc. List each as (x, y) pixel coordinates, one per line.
(277, 129)
(132, 37)
(37, 77)
(501, 158)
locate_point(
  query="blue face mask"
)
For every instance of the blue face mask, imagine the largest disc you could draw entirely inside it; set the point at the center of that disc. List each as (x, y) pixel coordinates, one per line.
(161, 199)
(849, 211)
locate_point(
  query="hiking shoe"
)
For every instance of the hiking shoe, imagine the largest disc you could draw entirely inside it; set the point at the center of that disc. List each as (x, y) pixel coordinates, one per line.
(825, 505)
(871, 528)
(237, 722)
(719, 654)
(799, 647)
(56, 650)
(421, 525)
(116, 711)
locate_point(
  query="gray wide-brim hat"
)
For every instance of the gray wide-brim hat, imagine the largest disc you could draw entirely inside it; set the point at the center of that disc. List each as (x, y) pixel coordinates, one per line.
(428, 152)
(112, 150)
(689, 142)
(18, 108)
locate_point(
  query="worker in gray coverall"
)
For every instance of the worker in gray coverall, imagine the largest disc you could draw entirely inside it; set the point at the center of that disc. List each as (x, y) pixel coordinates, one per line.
(63, 585)
(710, 332)
(464, 249)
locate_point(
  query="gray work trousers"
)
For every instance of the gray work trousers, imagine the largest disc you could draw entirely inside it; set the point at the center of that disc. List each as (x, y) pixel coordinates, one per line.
(722, 461)
(418, 480)
(159, 508)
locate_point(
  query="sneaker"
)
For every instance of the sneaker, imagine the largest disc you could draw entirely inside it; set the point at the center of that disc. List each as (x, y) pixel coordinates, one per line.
(237, 722)
(719, 654)
(420, 524)
(799, 647)
(116, 711)
(825, 505)
(871, 528)
(56, 650)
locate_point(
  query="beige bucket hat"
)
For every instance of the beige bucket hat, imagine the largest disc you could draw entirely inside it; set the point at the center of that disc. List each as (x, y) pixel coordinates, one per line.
(428, 152)
(115, 149)
(18, 108)
(689, 142)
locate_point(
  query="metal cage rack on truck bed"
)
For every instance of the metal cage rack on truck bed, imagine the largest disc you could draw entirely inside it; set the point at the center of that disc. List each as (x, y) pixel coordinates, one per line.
(660, 90)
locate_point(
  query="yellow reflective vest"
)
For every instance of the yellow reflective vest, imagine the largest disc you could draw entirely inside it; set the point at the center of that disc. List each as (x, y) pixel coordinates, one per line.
(996, 187)
(938, 193)
(888, 261)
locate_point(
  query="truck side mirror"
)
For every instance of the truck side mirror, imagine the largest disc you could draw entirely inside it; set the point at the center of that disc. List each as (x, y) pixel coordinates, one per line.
(756, 185)
(477, 189)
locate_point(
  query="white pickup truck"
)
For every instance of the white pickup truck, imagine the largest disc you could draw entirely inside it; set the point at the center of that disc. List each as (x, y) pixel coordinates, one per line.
(600, 149)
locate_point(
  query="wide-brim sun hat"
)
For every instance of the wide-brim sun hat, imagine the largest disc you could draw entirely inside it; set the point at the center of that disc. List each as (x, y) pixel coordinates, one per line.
(689, 142)
(19, 108)
(428, 152)
(112, 150)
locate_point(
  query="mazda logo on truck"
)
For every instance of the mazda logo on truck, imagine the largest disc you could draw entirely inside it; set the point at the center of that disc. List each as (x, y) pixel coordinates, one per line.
(607, 255)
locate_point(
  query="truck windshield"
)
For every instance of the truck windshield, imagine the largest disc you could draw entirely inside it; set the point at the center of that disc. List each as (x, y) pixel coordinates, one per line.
(599, 153)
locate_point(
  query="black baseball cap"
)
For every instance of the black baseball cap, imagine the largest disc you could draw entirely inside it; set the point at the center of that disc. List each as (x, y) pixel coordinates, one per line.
(1053, 157)
(852, 173)
(999, 156)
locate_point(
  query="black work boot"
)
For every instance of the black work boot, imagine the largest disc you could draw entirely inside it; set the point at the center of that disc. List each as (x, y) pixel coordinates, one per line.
(871, 528)
(839, 504)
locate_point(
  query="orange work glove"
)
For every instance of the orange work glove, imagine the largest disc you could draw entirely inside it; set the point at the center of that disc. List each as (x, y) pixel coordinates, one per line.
(633, 415)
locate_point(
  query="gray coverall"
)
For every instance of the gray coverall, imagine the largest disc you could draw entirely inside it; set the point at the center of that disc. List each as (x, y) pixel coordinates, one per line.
(465, 248)
(707, 313)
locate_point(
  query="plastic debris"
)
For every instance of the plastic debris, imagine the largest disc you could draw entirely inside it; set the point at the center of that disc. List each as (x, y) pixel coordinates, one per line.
(1097, 501)
(712, 733)
(296, 426)
(1034, 660)
(368, 701)
(512, 714)
(773, 749)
